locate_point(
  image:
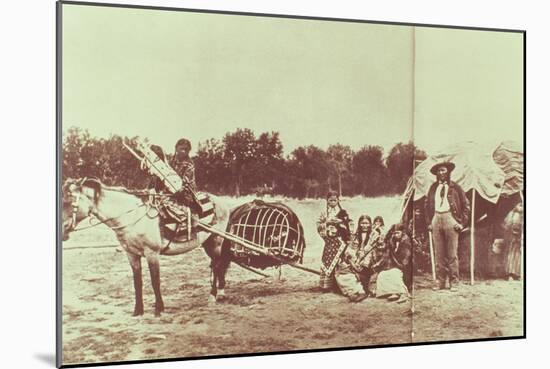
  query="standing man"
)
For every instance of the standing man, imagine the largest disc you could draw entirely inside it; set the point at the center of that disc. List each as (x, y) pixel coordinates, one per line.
(447, 213)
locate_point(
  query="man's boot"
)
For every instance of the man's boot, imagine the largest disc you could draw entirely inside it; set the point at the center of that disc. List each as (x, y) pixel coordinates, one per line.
(439, 286)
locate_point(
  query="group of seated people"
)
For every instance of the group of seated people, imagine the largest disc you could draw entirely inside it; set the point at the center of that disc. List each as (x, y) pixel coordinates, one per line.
(366, 262)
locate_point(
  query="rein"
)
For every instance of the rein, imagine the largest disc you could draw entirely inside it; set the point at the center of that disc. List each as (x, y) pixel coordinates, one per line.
(113, 218)
(90, 213)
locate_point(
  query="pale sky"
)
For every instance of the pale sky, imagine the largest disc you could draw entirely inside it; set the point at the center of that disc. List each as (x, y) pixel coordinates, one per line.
(166, 75)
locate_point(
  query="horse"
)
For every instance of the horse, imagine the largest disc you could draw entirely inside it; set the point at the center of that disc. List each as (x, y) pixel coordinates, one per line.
(137, 228)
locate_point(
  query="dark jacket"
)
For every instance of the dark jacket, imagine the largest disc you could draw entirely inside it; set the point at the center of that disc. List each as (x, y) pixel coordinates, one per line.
(186, 170)
(458, 203)
(400, 252)
(344, 230)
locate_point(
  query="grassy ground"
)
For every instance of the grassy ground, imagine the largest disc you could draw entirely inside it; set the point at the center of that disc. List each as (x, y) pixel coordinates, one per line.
(260, 314)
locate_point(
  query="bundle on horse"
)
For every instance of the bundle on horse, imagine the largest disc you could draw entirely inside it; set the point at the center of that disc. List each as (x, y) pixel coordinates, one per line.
(259, 234)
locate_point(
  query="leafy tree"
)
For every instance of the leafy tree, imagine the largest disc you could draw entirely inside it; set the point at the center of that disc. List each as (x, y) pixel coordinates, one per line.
(269, 159)
(73, 141)
(121, 168)
(340, 158)
(210, 167)
(310, 168)
(240, 163)
(369, 172)
(239, 153)
(400, 163)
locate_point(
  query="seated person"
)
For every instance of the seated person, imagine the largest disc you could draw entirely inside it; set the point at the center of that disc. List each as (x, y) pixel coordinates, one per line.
(336, 263)
(400, 251)
(362, 233)
(370, 251)
(392, 281)
(369, 262)
(347, 279)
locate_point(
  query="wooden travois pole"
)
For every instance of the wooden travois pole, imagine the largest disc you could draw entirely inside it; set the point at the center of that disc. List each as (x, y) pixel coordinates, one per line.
(251, 246)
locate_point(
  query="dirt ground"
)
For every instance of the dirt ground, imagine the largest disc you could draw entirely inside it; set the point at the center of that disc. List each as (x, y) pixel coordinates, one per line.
(259, 314)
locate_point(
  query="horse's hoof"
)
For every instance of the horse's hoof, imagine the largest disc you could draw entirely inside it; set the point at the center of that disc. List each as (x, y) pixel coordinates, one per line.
(211, 298)
(138, 313)
(220, 296)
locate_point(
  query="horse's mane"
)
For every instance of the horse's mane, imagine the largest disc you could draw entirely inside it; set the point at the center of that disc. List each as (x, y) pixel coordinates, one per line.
(139, 193)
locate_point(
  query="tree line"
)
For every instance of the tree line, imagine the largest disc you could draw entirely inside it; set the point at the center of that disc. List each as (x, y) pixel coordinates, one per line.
(242, 162)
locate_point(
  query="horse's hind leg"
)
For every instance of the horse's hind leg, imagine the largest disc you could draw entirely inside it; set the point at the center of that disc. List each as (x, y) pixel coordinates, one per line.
(222, 271)
(213, 280)
(154, 270)
(135, 263)
(212, 247)
(222, 266)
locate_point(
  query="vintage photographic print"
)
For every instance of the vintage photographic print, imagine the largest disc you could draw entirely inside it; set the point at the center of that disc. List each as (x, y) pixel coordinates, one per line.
(239, 184)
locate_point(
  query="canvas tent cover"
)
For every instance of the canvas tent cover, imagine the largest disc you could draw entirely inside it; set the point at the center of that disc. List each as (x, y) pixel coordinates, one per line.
(492, 170)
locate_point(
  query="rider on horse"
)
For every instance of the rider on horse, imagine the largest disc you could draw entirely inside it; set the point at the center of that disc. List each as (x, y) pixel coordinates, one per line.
(183, 165)
(183, 207)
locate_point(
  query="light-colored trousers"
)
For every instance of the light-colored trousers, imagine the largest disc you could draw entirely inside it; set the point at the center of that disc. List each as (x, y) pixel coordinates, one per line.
(446, 246)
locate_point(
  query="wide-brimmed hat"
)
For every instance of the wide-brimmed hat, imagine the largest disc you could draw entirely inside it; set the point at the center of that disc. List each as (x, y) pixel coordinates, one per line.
(450, 166)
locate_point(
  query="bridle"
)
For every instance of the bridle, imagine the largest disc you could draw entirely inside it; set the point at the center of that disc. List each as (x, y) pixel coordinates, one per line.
(74, 205)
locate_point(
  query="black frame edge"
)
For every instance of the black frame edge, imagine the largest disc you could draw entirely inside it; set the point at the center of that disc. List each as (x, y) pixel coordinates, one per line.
(305, 351)
(286, 16)
(524, 184)
(58, 140)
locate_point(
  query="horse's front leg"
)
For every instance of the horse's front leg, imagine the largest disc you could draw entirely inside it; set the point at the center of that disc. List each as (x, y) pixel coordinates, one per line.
(154, 270)
(135, 263)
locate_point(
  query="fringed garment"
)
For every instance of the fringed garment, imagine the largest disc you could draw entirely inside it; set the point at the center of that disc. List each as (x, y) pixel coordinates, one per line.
(334, 247)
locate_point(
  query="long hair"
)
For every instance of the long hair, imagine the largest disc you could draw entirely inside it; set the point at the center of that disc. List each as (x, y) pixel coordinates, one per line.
(342, 214)
(332, 193)
(378, 218)
(358, 232)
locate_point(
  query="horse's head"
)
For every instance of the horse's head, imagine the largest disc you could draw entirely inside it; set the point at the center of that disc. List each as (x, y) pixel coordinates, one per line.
(79, 199)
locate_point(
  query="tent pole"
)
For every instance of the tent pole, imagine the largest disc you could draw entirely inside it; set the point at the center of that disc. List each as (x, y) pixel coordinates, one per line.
(472, 237)
(406, 206)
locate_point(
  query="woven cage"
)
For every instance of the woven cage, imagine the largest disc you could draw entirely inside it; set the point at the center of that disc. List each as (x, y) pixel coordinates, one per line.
(270, 225)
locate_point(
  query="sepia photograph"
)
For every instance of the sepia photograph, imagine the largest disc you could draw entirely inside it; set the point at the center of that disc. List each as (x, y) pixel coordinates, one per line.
(241, 184)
